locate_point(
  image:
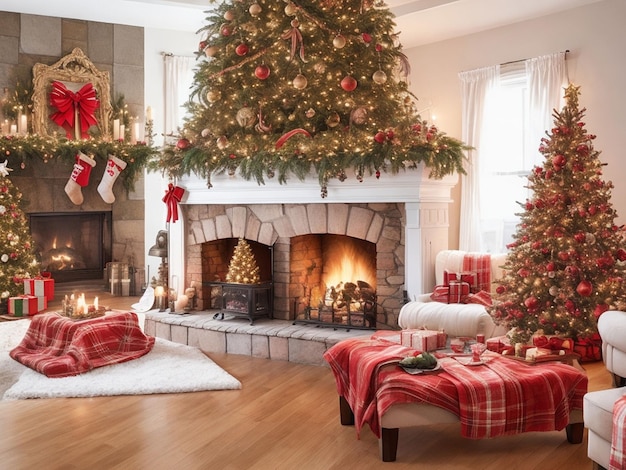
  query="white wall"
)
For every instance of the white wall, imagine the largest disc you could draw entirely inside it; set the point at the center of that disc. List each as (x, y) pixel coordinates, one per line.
(594, 35)
(157, 41)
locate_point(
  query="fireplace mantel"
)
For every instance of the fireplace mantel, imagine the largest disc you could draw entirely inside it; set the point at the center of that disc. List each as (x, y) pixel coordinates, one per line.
(425, 200)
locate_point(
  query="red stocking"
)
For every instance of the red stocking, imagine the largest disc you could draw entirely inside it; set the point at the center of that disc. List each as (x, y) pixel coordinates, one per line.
(79, 177)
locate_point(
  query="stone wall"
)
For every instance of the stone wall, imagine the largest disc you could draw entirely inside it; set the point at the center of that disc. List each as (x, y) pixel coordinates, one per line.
(29, 39)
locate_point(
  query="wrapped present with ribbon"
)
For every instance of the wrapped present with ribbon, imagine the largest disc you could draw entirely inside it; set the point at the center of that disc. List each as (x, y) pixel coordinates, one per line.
(40, 287)
(173, 196)
(554, 343)
(422, 340)
(25, 305)
(75, 110)
(468, 277)
(458, 292)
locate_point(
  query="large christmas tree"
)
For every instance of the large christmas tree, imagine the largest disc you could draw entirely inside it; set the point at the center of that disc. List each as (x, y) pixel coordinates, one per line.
(290, 88)
(566, 264)
(17, 259)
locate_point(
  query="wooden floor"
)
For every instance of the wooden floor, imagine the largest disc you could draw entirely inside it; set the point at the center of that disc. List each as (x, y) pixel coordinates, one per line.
(286, 416)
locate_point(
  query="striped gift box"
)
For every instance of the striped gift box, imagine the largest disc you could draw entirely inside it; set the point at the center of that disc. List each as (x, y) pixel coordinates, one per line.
(24, 305)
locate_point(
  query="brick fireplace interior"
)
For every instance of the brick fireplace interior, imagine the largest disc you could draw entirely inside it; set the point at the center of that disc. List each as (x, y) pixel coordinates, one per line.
(330, 276)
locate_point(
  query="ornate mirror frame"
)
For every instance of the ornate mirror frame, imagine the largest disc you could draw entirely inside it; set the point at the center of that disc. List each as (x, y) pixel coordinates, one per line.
(73, 68)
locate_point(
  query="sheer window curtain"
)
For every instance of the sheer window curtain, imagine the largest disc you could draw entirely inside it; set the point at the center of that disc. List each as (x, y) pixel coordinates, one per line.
(546, 78)
(476, 86)
(177, 88)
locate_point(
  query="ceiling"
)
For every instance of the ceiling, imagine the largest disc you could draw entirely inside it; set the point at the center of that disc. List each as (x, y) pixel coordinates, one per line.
(418, 21)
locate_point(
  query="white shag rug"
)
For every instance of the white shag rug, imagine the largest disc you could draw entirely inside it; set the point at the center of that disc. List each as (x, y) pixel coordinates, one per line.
(168, 368)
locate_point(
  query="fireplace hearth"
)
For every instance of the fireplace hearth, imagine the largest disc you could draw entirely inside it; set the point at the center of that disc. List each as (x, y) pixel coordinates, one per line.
(72, 245)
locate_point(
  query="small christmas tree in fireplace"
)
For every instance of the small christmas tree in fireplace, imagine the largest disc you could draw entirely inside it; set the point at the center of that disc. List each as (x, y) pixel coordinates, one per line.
(243, 268)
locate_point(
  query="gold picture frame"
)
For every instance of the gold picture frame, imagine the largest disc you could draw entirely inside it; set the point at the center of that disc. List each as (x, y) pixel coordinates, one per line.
(73, 69)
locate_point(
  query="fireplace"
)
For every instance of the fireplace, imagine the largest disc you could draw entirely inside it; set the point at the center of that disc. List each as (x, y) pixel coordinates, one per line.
(400, 220)
(72, 245)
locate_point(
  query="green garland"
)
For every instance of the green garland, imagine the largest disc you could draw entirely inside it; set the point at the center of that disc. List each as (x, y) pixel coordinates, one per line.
(20, 150)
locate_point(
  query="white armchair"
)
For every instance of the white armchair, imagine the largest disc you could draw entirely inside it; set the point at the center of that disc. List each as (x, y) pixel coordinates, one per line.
(455, 319)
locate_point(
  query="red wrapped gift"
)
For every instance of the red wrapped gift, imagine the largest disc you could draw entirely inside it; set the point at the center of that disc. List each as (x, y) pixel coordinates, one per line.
(481, 298)
(459, 291)
(422, 340)
(26, 305)
(40, 287)
(465, 276)
(440, 294)
(554, 343)
(590, 349)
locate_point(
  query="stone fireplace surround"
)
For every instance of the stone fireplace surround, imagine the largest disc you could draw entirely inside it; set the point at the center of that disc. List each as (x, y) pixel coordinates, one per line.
(405, 215)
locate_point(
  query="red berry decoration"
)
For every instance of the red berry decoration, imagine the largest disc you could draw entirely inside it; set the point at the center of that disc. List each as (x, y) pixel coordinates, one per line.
(262, 72)
(584, 288)
(380, 137)
(182, 144)
(367, 38)
(348, 83)
(241, 49)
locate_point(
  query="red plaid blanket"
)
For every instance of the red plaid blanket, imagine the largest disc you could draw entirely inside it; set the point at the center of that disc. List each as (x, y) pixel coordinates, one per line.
(498, 398)
(617, 459)
(480, 265)
(58, 347)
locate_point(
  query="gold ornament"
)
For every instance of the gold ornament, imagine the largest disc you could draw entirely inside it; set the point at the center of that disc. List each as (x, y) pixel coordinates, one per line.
(246, 117)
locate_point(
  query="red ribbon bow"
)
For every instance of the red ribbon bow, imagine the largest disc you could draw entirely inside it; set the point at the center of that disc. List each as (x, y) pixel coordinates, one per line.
(75, 110)
(172, 197)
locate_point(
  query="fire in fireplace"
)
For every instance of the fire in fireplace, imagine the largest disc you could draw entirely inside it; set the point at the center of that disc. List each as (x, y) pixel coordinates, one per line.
(333, 280)
(72, 245)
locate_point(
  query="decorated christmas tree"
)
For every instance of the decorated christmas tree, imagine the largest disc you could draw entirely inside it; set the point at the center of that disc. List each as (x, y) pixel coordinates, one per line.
(293, 88)
(566, 264)
(17, 259)
(243, 268)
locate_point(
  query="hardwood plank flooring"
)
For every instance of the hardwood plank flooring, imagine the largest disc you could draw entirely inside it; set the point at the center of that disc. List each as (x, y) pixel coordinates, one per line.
(286, 416)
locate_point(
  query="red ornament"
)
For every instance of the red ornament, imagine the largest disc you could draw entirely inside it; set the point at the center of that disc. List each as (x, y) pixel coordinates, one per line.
(380, 137)
(550, 266)
(348, 83)
(241, 49)
(558, 162)
(600, 309)
(621, 254)
(390, 134)
(579, 237)
(182, 144)
(367, 38)
(378, 176)
(226, 30)
(584, 288)
(531, 303)
(202, 45)
(262, 72)
(379, 47)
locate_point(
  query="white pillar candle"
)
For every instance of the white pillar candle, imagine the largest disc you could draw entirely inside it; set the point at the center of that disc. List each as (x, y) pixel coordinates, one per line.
(22, 126)
(134, 133)
(13, 129)
(122, 131)
(116, 129)
(149, 113)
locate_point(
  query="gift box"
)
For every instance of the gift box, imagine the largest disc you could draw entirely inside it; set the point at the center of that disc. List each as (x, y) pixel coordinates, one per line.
(26, 305)
(459, 290)
(440, 294)
(589, 349)
(40, 287)
(468, 277)
(422, 340)
(442, 339)
(556, 344)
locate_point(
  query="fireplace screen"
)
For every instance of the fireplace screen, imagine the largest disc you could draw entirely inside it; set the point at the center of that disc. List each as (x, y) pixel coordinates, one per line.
(73, 245)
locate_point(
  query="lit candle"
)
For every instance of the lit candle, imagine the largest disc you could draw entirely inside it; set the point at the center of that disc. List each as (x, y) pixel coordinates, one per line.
(122, 131)
(13, 129)
(95, 303)
(149, 113)
(116, 129)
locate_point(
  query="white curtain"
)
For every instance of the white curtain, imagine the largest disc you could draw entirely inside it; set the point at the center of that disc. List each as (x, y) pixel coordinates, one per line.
(476, 85)
(547, 79)
(177, 89)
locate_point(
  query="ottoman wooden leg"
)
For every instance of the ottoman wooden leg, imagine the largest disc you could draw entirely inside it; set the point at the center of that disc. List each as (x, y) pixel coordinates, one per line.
(574, 432)
(388, 444)
(345, 412)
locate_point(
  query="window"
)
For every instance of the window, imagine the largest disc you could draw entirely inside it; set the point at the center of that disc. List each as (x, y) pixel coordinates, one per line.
(507, 109)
